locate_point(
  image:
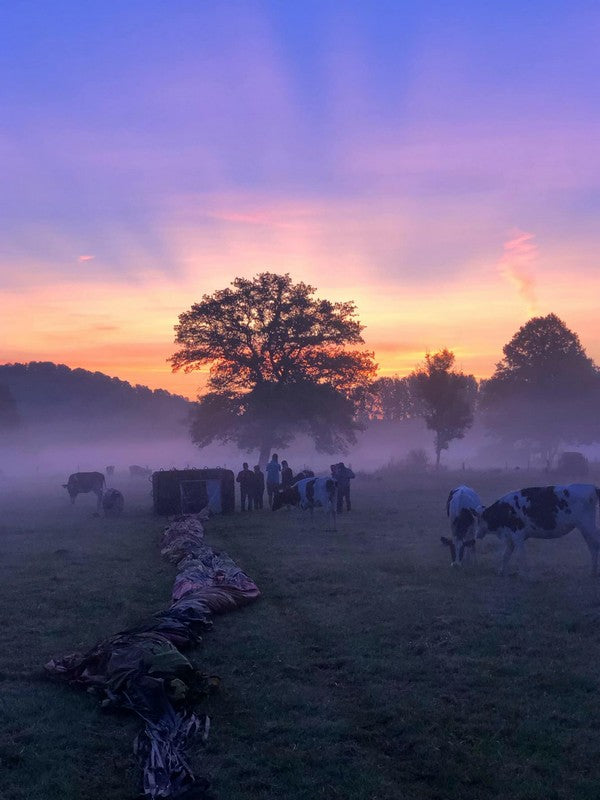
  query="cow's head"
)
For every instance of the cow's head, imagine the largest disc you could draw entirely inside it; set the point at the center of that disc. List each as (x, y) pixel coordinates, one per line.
(71, 489)
(465, 527)
(285, 497)
(457, 548)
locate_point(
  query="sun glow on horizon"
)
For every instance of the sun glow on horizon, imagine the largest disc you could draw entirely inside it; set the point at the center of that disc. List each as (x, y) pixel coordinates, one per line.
(449, 193)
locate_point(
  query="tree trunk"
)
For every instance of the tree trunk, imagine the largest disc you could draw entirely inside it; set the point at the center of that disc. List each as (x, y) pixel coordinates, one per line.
(263, 456)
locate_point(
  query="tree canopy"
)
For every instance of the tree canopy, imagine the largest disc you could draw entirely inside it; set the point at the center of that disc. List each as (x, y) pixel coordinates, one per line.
(279, 362)
(545, 391)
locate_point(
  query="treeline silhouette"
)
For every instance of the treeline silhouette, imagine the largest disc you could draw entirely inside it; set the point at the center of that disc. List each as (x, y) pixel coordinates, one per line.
(79, 404)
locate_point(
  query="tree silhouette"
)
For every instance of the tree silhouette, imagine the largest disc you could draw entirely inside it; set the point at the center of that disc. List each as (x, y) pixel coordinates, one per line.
(447, 399)
(279, 365)
(394, 399)
(544, 393)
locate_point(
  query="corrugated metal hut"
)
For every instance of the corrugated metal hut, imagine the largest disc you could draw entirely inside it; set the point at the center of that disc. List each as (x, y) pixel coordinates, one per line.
(188, 491)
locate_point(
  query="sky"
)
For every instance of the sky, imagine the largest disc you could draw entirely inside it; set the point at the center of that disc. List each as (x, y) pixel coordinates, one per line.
(435, 162)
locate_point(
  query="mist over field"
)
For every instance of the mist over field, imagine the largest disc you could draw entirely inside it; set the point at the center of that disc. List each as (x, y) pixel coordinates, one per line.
(46, 452)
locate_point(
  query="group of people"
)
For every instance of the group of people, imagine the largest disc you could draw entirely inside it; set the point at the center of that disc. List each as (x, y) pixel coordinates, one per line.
(252, 487)
(279, 476)
(252, 482)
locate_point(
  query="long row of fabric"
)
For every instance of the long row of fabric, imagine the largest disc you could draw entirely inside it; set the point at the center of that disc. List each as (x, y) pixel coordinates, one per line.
(143, 669)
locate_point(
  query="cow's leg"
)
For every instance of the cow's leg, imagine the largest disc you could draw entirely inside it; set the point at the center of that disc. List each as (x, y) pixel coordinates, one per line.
(521, 556)
(592, 539)
(333, 517)
(473, 554)
(508, 550)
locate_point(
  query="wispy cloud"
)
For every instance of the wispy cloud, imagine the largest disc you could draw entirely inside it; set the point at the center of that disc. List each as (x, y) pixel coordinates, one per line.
(86, 258)
(518, 264)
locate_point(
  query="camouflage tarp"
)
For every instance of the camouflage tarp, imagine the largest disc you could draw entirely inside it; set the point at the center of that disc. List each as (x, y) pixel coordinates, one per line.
(143, 670)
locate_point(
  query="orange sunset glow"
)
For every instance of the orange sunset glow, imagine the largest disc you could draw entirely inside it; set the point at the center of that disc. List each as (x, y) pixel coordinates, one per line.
(450, 203)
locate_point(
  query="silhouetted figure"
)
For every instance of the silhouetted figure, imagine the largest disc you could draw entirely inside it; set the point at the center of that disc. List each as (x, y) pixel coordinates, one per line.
(247, 482)
(343, 476)
(273, 470)
(259, 487)
(287, 476)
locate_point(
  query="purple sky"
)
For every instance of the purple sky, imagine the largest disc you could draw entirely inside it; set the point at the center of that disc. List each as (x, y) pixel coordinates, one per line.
(437, 163)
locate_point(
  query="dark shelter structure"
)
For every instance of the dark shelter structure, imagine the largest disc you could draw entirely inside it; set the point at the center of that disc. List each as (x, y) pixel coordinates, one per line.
(188, 491)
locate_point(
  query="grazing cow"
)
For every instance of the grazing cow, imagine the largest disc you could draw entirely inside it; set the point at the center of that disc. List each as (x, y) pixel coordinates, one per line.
(83, 482)
(463, 508)
(309, 493)
(543, 512)
(135, 471)
(113, 503)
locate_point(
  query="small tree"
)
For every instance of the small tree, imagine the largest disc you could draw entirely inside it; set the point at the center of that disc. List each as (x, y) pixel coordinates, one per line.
(448, 399)
(279, 365)
(545, 391)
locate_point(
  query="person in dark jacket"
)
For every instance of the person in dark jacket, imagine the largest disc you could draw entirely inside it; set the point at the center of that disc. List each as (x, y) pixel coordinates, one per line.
(247, 482)
(343, 476)
(259, 488)
(287, 475)
(273, 470)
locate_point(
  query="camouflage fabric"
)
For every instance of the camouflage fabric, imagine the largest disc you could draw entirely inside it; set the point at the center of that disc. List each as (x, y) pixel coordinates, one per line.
(142, 669)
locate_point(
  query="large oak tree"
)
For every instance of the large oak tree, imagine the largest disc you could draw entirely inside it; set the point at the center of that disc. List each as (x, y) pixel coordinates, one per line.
(545, 391)
(282, 362)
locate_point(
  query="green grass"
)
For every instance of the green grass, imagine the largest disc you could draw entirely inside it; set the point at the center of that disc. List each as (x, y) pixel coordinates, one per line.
(368, 670)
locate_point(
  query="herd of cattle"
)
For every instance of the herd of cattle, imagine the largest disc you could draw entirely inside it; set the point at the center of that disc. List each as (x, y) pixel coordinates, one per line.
(542, 512)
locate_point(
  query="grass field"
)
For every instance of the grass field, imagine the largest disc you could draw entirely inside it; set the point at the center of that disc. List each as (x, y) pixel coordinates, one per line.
(368, 670)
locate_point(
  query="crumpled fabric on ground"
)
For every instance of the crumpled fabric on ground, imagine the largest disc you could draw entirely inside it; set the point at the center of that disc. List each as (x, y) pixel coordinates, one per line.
(159, 746)
(143, 670)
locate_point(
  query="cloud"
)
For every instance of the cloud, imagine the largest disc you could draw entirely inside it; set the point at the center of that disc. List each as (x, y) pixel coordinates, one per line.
(518, 265)
(86, 258)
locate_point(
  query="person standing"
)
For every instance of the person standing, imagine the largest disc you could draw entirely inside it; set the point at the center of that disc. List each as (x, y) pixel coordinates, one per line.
(273, 477)
(343, 476)
(247, 482)
(287, 476)
(259, 486)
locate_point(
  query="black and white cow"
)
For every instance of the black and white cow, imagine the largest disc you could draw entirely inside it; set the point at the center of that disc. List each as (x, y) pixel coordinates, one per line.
(543, 512)
(113, 503)
(309, 493)
(463, 508)
(83, 482)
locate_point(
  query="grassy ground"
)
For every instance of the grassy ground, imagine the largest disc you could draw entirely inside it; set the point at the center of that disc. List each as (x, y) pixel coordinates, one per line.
(368, 670)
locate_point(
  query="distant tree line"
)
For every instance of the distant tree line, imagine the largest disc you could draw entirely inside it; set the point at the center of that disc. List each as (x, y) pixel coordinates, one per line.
(284, 362)
(544, 394)
(77, 403)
